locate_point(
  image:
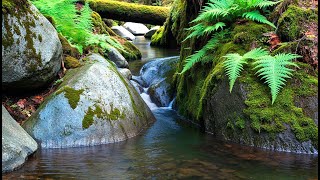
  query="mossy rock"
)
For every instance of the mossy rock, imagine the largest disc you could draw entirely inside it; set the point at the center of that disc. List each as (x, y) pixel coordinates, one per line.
(246, 115)
(71, 62)
(93, 105)
(67, 48)
(295, 21)
(32, 52)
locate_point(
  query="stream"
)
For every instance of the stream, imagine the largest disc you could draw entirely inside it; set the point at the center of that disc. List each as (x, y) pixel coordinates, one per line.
(169, 149)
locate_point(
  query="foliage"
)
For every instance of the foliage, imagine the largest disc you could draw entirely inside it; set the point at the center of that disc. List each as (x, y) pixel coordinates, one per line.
(234, 63)
(76, 25)
(217, 14)
(272, 68)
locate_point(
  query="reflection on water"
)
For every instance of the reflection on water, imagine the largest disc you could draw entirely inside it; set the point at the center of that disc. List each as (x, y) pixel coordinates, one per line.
(169, 149)
(148, 53)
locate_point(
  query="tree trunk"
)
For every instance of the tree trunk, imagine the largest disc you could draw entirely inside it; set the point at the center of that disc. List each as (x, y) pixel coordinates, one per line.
(130, 12)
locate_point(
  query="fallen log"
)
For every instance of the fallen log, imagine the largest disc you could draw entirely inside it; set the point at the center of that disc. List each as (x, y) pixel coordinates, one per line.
(130, 12)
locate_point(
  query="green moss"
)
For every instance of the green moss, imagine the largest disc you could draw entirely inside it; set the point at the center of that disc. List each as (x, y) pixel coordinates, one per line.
(71, 62)
(127, 11)
(99, 26)
(156, 37)
(114, 114)
(271, 118)
(294, 22)
(88, 119)
(71, 94)
(39, 37)
(10, 6)
(67, 48)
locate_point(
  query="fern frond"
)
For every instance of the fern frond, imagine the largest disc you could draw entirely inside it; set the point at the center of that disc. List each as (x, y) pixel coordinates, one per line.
(233, 66)
(210, 12)
(255, 53)
(274, 71)
(197, 31)
(192, 59)
(213, 28)
(256, 16)
(264, 3)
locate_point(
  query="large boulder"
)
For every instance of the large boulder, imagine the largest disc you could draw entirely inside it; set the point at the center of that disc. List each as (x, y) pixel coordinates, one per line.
(123, 32)
(31, 49)
(229, 118)
(17, 144)
(157, 75)
(136, 28)
(151, 31)
(115, 56)
(94, 105)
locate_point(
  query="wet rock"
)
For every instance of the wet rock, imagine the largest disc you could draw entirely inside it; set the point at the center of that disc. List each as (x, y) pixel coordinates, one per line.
(125, 73)
(115, 56)
(31, 50)
(123, 32)
(137, 86)
(218, 113)
(17, 144)
(151, 31)
(94, 105)
(157, 75)
(136, 28)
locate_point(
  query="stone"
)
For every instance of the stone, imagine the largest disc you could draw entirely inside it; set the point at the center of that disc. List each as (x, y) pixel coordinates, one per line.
(157, 75)
(31, 50)
(115, 56)
(17, 144)
(123, 32)
(94, 105)
(136, 28)
(126, 73)
(151, 31)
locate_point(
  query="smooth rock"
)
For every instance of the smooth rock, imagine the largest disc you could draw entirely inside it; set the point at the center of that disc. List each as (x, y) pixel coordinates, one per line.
(115, 56)
(136, 28)
(125, 73)
(151, 31)
(17, 144)
(31, 50)
(157, 75)
(123, 32)
(94, 105)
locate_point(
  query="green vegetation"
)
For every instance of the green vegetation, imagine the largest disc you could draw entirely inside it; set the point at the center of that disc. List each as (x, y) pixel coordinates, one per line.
(71, 62)
(129, 12)
(114, 114)
(71, 94)
(272, 68)
(219, 13)
(73, 20)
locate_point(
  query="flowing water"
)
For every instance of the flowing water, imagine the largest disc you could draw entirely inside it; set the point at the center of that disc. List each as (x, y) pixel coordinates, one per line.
(169, 149)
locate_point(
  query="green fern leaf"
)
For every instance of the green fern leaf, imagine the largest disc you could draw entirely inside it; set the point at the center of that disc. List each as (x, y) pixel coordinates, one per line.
(264, 3)
(233, 66)
(255, 53)
(274, 71)
(256, 16)
(213, 28)
(191, 60)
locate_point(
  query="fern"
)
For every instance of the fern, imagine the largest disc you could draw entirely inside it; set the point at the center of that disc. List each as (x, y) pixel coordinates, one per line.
(234, 63)
(216, 14)
(256, 16)
(274, 71)
(198, 55)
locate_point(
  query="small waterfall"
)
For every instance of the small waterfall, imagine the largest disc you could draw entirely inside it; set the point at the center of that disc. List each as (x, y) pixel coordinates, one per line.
(171, 103)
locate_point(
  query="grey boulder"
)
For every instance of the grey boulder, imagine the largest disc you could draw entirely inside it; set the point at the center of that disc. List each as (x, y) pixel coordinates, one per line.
(17, 144)
(31, 50)
(94, 105)
(115, 56)
(136, 28)
(151, 31)
(123, 32)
